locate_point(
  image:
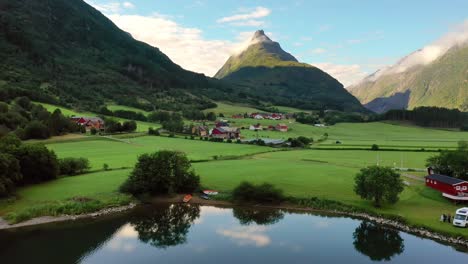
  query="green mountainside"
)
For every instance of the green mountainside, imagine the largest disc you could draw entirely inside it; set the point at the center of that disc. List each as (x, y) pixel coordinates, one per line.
(443, 83)
(66, 52)
(267, 71)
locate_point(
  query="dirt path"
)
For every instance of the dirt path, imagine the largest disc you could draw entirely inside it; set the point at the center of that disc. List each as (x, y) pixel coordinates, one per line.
(414, 177)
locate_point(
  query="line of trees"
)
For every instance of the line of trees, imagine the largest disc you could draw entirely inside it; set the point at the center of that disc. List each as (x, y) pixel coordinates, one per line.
(431, 117)
(451, 162)
(113, 126)
(33, 121)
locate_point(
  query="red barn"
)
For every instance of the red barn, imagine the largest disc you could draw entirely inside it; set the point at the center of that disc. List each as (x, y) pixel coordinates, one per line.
(226, 132)
(452, 188)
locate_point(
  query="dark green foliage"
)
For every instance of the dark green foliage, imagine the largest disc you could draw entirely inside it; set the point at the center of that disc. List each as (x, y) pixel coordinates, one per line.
(174, 124)
(376, 242)
(452, 163)
(129, 115)
(193, 114)
(162, 172)
(73, 166)
(113, 126)
(38, 164)
(264, 193)
(211, 116)
(430, 117)
(105, 167)
(69, 53)
(375, 147)
(300, 142)
(306, 118)
(9, 174)
(159, 116)
(464, 128)
(93, 131)
(36, 129)
(379, 184)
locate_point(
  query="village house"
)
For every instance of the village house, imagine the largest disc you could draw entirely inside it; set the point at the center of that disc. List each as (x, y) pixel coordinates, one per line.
(225, 132)
(222, 124)
(281, 127)
(201, 131)
(89, 122)
(451, 188)
(256, 127)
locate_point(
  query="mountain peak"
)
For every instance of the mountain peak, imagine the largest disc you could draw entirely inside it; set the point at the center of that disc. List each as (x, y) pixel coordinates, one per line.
(259, 36)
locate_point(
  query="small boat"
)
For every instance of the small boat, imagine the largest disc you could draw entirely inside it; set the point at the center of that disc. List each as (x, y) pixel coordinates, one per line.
(187, 198)
(204, 196)
(210, 192)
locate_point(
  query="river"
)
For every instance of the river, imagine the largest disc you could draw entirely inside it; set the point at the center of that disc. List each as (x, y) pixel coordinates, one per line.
(205, 234)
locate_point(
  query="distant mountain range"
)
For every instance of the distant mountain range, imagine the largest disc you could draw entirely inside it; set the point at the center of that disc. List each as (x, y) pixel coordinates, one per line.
(419, 80)
(265, 69)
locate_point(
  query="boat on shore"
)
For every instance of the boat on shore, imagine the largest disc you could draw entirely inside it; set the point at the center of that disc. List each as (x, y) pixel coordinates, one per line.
(210, 192)
(187, 198)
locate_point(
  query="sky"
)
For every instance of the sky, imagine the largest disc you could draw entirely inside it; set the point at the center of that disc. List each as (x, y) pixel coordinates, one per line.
(349, 39)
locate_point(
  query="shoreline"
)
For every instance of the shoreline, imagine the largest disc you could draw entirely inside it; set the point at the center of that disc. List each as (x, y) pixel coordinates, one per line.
(418, 231)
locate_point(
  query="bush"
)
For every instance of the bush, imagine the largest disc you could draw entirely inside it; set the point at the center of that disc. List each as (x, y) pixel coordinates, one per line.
(264, 193)
(73, 166)
(38, 164)
(162, 172)
(35, 129)
(9, 174)
(375, 147)
(93, 131)
(105, 166)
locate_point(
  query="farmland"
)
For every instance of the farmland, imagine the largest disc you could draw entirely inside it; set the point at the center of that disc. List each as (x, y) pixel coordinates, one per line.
(325, 170)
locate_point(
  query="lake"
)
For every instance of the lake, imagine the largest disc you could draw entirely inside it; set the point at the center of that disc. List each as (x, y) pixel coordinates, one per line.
(185, 233)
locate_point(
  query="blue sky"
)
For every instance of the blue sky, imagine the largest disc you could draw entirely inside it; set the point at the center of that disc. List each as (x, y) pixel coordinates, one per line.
(354, 37)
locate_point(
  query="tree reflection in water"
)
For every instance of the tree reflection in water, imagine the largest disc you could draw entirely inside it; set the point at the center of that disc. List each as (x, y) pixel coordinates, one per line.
(166, 225)
(376, 242)
(258, 216)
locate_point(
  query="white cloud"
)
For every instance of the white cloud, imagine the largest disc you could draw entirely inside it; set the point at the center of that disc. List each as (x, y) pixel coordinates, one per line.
(259, 12)
(457, 36)
(110, 7)
(249, 23)
(346, 74)
(128, 5)
(185, 46)
(247, 235)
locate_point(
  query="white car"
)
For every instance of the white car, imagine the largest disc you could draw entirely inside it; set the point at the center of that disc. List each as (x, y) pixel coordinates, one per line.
(461, 217)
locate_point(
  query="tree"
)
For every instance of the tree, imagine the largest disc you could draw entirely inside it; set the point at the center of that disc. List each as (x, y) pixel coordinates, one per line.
(375, 147)
(37, 163)
(36, 129)
(73, 166)
(452, 163)
(211, 116)
(162, 172)
(10, 174)
(129, 126)
(376, 242)
(378, 184)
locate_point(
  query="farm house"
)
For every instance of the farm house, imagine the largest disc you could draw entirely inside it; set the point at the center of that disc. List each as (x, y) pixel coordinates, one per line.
(451, 188)
(226, 132)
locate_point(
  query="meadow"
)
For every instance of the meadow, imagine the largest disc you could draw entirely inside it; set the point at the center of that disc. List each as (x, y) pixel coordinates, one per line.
(141, 126)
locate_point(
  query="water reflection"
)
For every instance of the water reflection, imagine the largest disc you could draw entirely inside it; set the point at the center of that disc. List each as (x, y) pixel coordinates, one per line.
(259, 216)
(376, 242)
(167, 225)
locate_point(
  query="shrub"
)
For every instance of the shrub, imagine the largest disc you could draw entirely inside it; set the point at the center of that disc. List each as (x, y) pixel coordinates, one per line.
(35, 129)
(93, 131)
(264, 193)
(73, 166)
(38, 164)
(162, 172)
(105, 167)
(375, 147)
(9, 174)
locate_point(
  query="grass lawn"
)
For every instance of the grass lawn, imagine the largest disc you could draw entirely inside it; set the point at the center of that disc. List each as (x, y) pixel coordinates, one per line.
(119, 154)
(230, 109)
(328, 180)
(141, 126)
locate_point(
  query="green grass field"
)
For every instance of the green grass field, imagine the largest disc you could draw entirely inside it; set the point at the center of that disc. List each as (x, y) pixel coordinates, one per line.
(230, 109)
(141, 126)
(322, 173)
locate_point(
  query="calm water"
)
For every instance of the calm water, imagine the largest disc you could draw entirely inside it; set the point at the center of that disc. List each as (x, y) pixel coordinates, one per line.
(205, 234)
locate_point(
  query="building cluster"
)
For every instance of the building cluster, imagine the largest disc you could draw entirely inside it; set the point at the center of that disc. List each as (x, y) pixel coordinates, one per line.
(261, 116)
(89, 122)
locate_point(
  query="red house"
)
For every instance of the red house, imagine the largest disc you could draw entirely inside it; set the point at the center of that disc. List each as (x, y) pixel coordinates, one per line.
(226, 132)
(89, 122)
(452, 188)
(282, 127)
